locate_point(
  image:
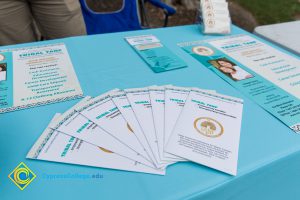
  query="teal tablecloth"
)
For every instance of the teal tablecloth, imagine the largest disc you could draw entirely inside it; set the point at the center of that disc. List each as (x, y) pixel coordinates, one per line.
(269, 155)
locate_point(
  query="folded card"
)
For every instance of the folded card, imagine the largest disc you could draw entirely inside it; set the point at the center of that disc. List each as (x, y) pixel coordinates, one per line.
(74, 124)
(58, 147)
(121, 101)
(141, 104)
(102, 111)
(208, 131)
(155, 54)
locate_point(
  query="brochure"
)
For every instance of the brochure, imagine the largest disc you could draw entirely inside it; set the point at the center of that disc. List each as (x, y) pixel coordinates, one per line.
(265, 74)
(35, 76)
(208, 131)
(58, 147)
(155, 54)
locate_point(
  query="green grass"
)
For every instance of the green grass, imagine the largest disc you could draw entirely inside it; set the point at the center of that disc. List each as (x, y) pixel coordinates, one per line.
(271, 11)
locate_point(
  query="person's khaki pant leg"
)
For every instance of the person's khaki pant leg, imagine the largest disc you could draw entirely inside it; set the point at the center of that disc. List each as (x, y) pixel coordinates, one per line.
(16, 24)
(58, 18)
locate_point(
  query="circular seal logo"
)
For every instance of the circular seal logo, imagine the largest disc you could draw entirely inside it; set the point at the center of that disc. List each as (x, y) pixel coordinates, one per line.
(2, 57)
(209, 7)
(210, 14)
(203, 51)
(208, 127)
(210, 23)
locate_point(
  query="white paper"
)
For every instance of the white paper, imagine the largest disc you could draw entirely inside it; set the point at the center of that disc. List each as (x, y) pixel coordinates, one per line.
(208, 131)
(157, 97)
(58, 147)
(214, 5)
(2, 75)
(217, 25)
(174, 101)
(140, 101)
(36, 76)
(216, 17)
(142, 39)
(272, 64)
(74, 124)
(121, 101)
(102, 111)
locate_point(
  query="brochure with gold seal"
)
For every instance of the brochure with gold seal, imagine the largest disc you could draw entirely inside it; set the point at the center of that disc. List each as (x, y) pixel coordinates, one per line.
(208, 131)
(146, 130)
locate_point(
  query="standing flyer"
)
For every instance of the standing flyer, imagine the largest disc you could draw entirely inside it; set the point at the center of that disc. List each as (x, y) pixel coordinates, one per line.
(35, 76)
(267, 75)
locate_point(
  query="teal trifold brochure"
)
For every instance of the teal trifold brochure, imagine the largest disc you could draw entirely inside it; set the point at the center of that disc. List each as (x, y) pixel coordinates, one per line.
(155, 54)
(268, 76)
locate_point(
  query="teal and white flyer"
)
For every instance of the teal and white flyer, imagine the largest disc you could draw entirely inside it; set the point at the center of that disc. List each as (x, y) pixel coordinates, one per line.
(155, 54)
(36, 76)
(268, 76)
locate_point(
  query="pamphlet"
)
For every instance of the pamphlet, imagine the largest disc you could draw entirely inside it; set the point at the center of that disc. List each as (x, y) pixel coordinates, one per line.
(35, 76)
(208, 131)
(265, 74)
(58, 147)
(155, 54)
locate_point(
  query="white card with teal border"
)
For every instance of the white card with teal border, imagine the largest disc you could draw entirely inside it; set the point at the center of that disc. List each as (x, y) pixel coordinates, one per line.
(35, 76)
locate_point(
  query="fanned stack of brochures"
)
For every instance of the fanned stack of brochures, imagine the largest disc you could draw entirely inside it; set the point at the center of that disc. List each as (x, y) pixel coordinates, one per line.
(215, 16)
(146, 130)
